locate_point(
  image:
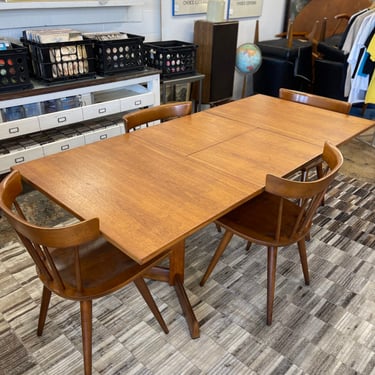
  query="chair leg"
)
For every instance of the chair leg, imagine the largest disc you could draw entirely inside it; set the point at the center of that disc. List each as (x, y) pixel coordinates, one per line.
(219, 251)
(86, 326)
(146, 294)
(46, 297)
(218, 227)
(271, 281)
(303, 257)
(248, 245)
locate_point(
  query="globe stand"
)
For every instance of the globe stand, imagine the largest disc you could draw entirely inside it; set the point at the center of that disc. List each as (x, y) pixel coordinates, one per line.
(247, 77)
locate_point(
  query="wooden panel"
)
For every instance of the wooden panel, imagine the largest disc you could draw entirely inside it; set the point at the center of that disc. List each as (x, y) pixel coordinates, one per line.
(216, 55)
(318, 9)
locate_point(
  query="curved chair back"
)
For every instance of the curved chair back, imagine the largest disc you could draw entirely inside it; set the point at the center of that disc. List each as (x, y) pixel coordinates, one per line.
(163, 112)
(41, 242)
(308, 193)
(315, 100)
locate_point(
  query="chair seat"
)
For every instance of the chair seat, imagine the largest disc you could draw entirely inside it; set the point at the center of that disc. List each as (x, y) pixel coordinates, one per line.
(104, 269)
(256, 220)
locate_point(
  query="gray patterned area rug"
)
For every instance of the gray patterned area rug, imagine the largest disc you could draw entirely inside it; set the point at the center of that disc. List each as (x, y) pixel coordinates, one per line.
(325, 328)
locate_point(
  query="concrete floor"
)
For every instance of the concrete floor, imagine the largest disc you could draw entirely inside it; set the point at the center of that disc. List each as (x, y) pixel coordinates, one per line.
(359, 158)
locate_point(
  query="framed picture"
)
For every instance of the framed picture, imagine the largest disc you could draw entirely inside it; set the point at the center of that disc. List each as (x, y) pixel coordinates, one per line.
(244, 8)
(178, 92)
(292, 8)
(183, 7)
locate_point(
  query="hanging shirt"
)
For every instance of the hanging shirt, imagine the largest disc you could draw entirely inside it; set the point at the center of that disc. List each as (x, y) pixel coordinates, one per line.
(370, 95)
(356, 84)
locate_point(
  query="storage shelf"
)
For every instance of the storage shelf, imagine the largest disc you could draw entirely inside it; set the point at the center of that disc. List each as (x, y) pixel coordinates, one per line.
(68, 4)
(99, 97)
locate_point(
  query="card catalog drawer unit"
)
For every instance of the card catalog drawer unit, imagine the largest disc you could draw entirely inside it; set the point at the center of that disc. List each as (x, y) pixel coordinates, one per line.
(61, 118)
(15, 128)
(137, 101)
(17, 157)
(101, 109)
(101, 134)
(63, 145)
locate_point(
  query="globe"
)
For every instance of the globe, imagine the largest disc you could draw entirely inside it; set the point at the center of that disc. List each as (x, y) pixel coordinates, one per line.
(248, 58)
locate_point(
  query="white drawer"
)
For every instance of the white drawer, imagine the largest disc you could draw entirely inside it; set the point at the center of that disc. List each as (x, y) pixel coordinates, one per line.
(63, 145)
(137, 101)
(18, 157)
(101, 134)
(101, 109)
(61, 118)
(18, 127)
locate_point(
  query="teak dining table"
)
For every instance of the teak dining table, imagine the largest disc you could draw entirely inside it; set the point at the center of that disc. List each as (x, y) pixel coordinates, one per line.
(154, 187)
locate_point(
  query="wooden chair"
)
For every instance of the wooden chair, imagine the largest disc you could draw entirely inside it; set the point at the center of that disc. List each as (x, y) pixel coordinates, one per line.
(74, 262)
(310, 36)
(315, 101)
(275, 219)
(161, 112)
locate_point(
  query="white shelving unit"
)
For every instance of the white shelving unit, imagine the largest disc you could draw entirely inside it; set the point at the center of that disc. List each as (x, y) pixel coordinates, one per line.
(67, 4)
(65, 13)
(99, 97)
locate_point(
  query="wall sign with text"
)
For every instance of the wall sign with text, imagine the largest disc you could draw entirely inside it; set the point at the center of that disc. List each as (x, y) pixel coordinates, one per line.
(181, 7)
(244, 8)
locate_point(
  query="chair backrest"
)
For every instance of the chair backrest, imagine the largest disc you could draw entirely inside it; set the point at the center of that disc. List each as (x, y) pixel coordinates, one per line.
(309, 194)
(161, 112)
(290, 34)
(41, 242)
(315, 100)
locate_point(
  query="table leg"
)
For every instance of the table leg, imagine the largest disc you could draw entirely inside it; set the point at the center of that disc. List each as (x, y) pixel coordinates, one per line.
(176, 278)
(174, 275)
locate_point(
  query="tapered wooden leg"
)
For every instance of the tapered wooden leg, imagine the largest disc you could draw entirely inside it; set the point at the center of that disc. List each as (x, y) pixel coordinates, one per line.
(248, 245)
(86, 326)
(146, 294)
(303, 257)
(46, 297)
(271, 281)
(186, 307)
(219, 251)
(218, 227)
(176, 278)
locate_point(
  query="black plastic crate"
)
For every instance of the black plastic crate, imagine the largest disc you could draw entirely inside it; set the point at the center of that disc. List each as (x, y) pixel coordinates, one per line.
(119, 55)
(56, 62)
(172, 57)
(14, 71)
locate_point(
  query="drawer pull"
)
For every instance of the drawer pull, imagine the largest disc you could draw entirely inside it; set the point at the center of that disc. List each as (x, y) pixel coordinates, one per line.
(103, 136)
(138, 102)
(102, 110)
(19, 160)
(64, 147)
(61, 119)
(14, 130)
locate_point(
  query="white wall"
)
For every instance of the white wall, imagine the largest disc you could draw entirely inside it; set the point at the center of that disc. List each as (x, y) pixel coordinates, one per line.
(182, 28)
(153, 20)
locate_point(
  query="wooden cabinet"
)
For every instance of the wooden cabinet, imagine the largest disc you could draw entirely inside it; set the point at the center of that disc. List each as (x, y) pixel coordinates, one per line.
(71, 114)
(216, 58)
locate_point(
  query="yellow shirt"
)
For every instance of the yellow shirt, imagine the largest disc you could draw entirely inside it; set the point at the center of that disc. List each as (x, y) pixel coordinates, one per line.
(370, 95)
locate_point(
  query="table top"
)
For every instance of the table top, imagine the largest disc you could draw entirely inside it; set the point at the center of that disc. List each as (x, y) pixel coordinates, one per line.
(304, 122)
(189, 134)
(146, 200)
(154, 187)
